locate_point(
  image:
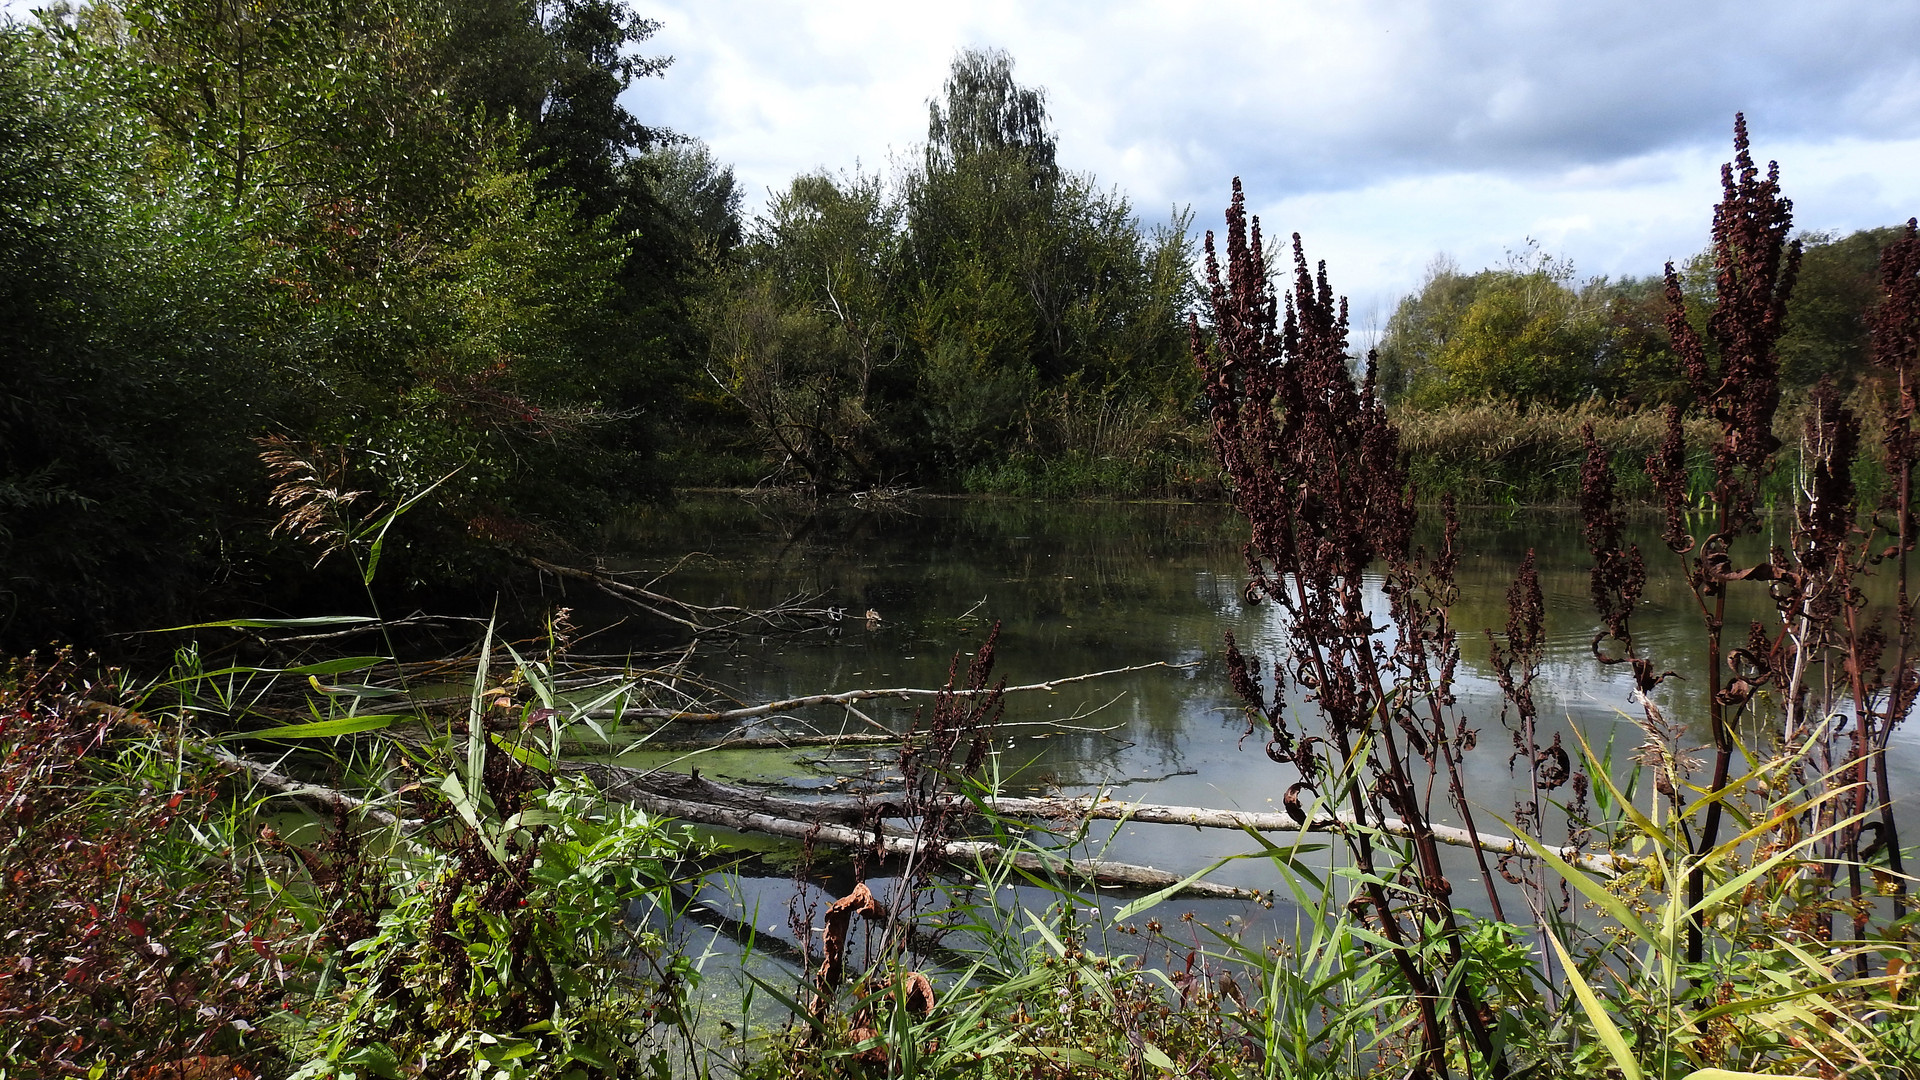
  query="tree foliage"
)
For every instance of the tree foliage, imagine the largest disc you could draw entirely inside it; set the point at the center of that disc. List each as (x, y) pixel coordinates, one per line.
(410, 230)
(1530, 332)
(1520, 332)
(877, 332)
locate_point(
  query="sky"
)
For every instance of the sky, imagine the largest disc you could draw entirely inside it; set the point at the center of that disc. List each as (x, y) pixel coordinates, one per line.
(1385, 133)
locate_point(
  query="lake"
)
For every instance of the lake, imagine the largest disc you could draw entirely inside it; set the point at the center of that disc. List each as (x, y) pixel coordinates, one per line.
(1082, 587)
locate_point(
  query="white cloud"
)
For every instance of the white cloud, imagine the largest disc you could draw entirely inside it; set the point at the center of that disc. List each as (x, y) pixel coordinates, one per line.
(1383, 130)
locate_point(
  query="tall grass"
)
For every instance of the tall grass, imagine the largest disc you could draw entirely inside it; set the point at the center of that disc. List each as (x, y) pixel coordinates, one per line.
(1501, 453)
(1077, 442)
(1504, 453)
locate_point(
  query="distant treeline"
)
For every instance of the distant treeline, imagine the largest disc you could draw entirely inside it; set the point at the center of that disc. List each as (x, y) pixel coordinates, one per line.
(268, 271)
(1492, 375)
(981, 307)
(1528, 332)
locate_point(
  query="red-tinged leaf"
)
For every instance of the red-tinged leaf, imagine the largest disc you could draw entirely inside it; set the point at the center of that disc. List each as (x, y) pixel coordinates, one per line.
(137, 928)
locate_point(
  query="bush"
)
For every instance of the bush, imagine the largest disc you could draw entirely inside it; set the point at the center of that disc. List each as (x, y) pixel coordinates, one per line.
(132, 935)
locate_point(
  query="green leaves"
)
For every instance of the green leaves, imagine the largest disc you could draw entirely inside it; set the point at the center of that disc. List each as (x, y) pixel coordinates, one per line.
(501, 911)
(324, 729)
(1597, 1014)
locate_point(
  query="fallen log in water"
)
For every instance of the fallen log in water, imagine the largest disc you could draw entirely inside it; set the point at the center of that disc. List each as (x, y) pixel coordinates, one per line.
(843, 821)
(1201, 817)
(626, 783)
(1099, 871)
(629, 785)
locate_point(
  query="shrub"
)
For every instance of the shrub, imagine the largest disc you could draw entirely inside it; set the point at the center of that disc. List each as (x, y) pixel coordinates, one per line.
(131, 935)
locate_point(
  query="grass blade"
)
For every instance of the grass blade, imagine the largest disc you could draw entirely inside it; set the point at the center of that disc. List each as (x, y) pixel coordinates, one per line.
(1603, 1025)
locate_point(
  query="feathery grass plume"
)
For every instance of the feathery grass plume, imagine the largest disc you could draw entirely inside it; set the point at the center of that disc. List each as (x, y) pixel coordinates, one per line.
(1316, 468)
(312, 492)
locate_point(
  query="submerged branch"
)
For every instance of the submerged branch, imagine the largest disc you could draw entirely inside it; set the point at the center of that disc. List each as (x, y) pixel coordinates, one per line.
(639, 786)
(701, 619)
(848, 697)
(269, 776)
(799, 740)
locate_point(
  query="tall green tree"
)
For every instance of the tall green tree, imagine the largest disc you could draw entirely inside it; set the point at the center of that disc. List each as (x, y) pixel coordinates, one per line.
(1520, 333)
(701, 197)
(878, 334)
(292, 219)
(1025, 278)
(1420, 329)
(129, 375)
(811, 325)
(1839, 283)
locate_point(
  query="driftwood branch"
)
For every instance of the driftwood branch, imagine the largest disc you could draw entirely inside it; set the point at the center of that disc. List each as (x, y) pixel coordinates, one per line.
(637, 785)
(701, 619)
(798, 740)
(268, 776)
(1099, 871)
(848, 697)
(1201, 817)
(695, 798)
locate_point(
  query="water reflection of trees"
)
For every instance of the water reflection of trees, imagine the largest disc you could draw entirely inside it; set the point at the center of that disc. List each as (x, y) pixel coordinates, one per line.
(1086, 587)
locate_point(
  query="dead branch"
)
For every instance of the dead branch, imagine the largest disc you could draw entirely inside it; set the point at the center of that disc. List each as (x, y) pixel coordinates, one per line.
(904, 693)
(634, 784)
(795, 740)
(1201, 817)
(959, 852)
(268, 776)
(701, 619)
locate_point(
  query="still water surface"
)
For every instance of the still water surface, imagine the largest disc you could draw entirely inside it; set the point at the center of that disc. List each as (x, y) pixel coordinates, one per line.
(1081, 587)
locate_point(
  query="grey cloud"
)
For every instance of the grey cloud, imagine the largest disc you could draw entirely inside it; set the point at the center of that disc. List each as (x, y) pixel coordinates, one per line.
(1492, 89)
(1372, 121)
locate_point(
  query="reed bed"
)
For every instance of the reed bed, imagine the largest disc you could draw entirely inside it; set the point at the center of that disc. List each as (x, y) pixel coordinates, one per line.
(1504, 453)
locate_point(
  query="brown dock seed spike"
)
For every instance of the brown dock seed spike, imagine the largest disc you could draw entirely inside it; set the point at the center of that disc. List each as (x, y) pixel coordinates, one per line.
(920, 998)
(1291, 800)
(834, 942)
